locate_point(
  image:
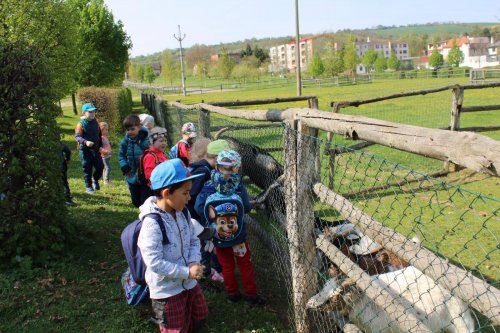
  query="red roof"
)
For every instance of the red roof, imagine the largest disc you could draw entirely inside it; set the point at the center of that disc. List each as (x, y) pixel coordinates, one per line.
(460, 41)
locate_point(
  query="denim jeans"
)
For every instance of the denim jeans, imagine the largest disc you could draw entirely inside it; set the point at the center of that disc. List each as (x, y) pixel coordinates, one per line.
(92, 165)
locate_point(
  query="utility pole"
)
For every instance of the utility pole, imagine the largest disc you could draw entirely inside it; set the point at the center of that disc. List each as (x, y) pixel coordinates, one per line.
(180, 39)
(297, 49)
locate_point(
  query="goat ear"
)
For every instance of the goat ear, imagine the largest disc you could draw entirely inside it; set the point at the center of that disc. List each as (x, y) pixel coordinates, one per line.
(211, 213)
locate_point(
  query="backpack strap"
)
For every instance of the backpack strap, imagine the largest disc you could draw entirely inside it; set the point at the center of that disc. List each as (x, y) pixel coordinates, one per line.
(157, 218)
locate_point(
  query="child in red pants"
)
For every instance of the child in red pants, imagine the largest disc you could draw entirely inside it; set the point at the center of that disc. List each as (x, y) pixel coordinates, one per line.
(224, 200)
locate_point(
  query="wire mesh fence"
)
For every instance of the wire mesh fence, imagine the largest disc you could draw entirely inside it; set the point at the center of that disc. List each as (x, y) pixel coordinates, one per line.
(393, 249)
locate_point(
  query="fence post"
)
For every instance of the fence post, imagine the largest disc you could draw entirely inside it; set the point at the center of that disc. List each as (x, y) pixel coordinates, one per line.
(300, 149)
(204, 123)
(329, 152)
(457, 98)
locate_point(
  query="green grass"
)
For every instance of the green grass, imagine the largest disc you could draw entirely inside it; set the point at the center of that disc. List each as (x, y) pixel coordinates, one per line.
(82, 291)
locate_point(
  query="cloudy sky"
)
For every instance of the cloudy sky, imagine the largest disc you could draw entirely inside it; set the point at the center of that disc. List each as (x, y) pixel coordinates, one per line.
(153, 23)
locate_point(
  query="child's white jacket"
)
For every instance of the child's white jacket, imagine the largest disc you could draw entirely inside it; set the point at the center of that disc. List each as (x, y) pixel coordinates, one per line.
(167, 264)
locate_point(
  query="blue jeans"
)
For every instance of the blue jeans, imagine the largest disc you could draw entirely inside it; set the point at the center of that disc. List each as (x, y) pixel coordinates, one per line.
(92, 165)
(139, 193)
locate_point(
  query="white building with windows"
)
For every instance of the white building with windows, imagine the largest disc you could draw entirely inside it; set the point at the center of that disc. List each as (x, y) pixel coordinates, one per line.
(401, 49)
(283, 58)
(478, 52)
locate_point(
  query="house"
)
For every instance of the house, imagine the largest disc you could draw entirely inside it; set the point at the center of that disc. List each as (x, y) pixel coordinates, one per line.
(401, 50)
(478, 52)
(283, 58)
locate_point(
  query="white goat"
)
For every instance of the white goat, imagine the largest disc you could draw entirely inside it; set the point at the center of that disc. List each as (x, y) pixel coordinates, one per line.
(434, 305)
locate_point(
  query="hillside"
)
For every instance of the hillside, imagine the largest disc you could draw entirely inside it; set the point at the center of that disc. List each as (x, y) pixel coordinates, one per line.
(433, 30)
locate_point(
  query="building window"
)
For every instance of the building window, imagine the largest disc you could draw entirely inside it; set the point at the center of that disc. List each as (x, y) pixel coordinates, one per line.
(404, 45)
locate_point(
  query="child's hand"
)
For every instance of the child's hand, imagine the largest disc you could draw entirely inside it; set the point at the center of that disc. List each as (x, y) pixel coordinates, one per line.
(89, 143)
(195, 271)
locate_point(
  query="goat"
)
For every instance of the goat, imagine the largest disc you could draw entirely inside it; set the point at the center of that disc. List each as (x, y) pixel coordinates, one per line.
(370, 256)
(433, 304)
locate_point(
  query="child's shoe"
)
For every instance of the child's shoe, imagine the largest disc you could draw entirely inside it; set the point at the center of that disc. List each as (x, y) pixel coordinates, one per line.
(90, 190)
(234, 298)
(216, 276)
(255, 300)
(107, 182)
(69, 201)
(96, 185)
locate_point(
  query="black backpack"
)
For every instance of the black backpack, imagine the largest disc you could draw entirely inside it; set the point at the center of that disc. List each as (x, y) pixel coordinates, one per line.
(141, 176)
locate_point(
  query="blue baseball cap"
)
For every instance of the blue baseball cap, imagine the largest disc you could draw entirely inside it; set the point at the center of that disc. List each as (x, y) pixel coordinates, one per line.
(169, 173)
(88, 107)
(226, 208)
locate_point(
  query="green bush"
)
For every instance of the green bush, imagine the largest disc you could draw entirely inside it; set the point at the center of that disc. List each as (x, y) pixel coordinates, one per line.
(32, 227)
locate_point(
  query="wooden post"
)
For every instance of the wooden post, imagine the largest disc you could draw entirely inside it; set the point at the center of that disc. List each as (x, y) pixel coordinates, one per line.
(300, 151)
(331, 159)
(204, 123)
(457, 97)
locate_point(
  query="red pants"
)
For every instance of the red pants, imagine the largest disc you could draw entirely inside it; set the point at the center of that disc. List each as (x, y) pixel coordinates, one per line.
(226, 259)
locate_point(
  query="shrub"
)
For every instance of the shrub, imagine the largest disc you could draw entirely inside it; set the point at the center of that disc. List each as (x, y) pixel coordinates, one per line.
(32, 228)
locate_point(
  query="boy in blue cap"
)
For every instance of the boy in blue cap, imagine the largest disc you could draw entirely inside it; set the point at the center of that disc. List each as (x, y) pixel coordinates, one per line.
(172, 266)
(88, 135)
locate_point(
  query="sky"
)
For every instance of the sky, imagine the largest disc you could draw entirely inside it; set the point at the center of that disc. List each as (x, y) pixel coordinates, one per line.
(151, 24)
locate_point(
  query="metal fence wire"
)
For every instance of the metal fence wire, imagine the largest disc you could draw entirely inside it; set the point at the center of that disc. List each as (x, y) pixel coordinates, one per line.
(395, 249)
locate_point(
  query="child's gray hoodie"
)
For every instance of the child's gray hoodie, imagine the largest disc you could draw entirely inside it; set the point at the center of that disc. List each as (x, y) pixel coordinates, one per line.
(167, 264)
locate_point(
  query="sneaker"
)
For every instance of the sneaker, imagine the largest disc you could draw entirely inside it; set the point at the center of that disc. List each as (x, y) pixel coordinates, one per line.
(107, 182)
(69, 201)
(255, 300)
(234, 298)
(96, 185)
(89, 190)
(216, 276)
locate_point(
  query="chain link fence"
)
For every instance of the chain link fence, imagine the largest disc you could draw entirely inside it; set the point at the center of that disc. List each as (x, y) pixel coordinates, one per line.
(368, 242)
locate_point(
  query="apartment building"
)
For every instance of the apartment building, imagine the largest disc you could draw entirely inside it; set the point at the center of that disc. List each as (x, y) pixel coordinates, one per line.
(283, 58)
(401, 49)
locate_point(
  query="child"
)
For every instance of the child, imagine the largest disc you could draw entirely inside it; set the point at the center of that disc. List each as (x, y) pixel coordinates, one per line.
(224, 195)
(188, 132)
(106, 151)
(88, 136)
(172, 267)
(66, 156)
(206, 155)
(155, 155)
(147, 120)
(131, 148)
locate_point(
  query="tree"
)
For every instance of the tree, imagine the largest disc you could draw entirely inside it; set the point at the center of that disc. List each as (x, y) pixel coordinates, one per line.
(140, 73)
(350, 55)
(198, 53)
(102, 46)
(380, 64)
(226, 64)
(149, 74)
(333, 60)
(316, 67)
(436, 59)
(393, 61)
(455, 56)
(37, 53)
(369, 59)
(170, 70)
